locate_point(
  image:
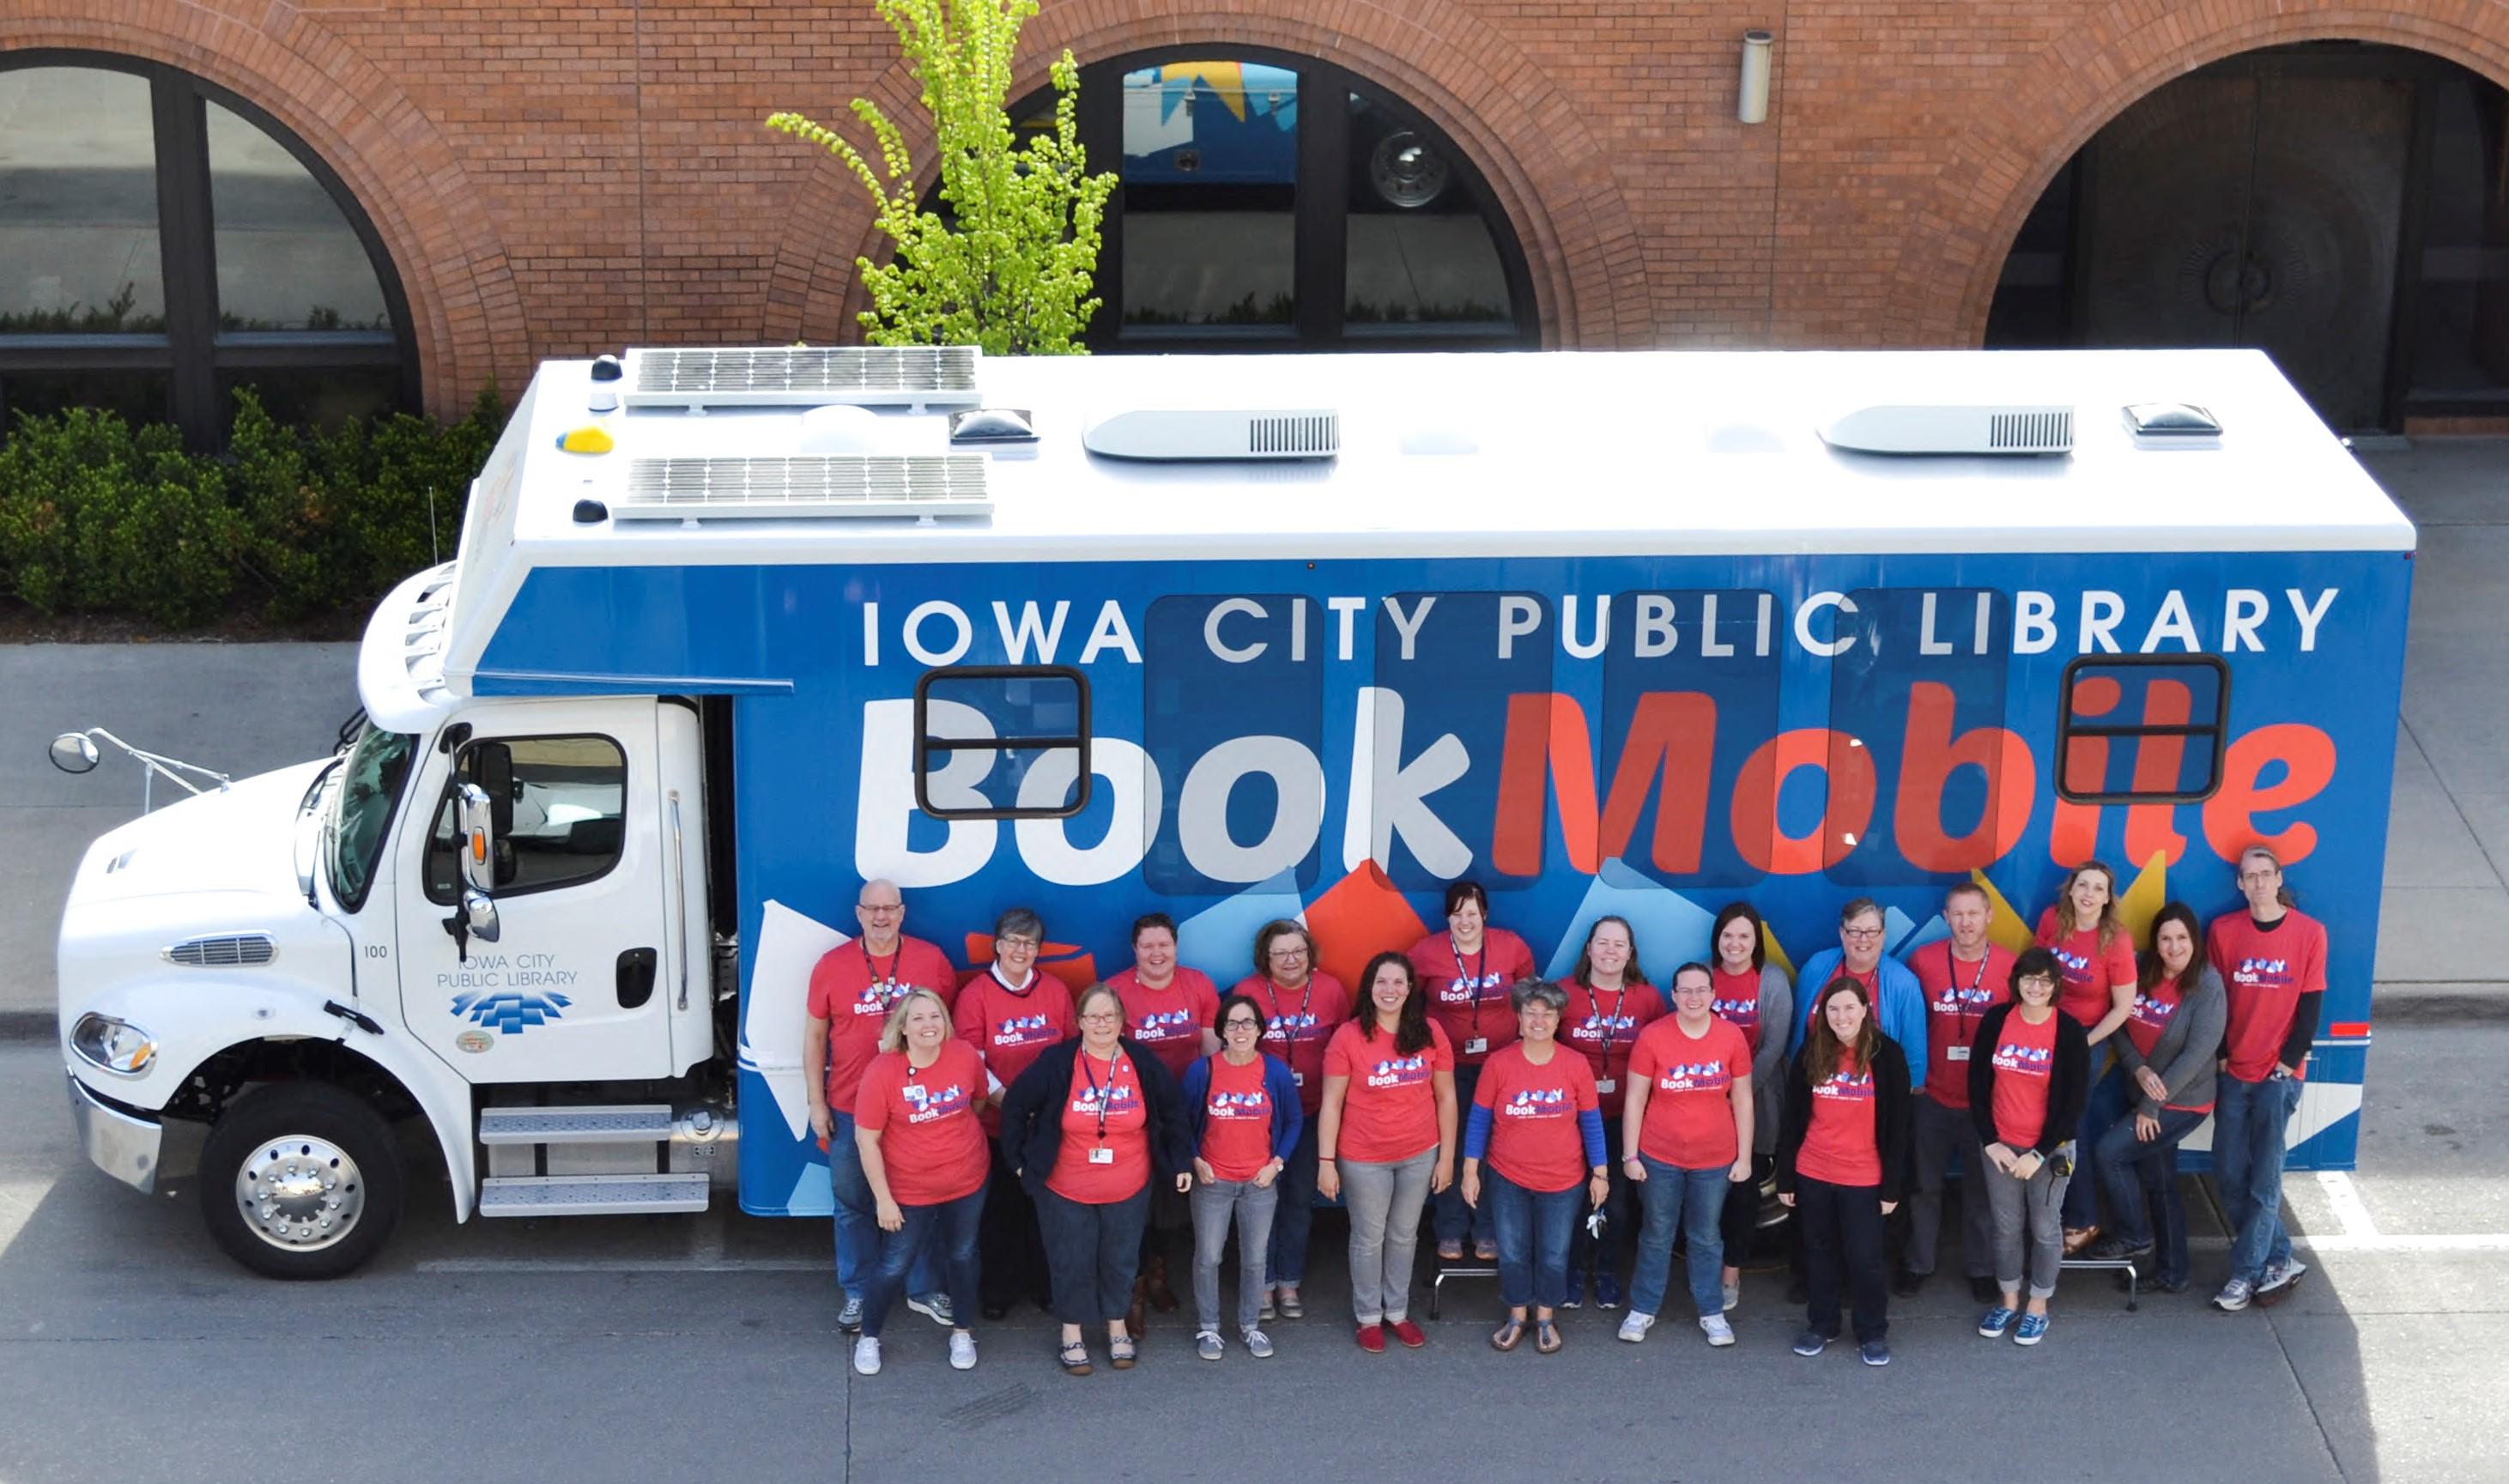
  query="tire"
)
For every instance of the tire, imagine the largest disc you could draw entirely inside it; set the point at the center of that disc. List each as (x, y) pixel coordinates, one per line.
(326, 1164)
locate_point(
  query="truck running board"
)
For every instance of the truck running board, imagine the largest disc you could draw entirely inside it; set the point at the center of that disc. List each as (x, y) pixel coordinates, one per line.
(608, 1124)
(592, 1195)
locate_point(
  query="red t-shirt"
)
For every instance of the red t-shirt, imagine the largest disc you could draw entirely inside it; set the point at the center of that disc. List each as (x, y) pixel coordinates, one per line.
(1870, 979)
(1604, 1023)
(2024, 1058)
(2265, 971)
(2088, 972)
(1297, 1023)
(1736, 1000)
(1390, 1110)
(1842, 1144)
(1534, 1137)
(1236, 1120)
(1079, 1173)
(1170, 1021)
(1468, 992)
(1010, 1027)
(853, 990)
(2154, 1009)
(1689, 1120)
(929, 1139)
(1958, 995)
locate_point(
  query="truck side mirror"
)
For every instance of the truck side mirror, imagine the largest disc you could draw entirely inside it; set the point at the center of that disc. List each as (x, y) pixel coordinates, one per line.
(74, 752)
(476, 813)
(479, 915)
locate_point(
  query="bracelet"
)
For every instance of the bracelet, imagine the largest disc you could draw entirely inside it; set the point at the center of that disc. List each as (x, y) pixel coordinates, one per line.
(1327, 1159)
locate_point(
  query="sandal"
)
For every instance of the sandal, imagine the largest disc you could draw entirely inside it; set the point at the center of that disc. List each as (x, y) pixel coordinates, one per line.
(1075, 1359)
(2077, 1238)
(1120, 1352)
(1545, 1337)
(1508, 1335)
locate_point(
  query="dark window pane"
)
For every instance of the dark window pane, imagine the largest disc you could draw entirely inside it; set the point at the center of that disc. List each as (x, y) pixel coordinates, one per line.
(287, 258)
(1420, 257)
(1210, 165)
(139, 396)
(78, 203)
(324, 398)
(2461, 310)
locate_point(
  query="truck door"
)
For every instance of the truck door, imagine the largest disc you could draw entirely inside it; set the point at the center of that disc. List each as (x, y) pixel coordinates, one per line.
(572, 990)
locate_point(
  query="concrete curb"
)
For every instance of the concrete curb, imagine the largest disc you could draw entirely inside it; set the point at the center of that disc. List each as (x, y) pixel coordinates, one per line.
(28, 1024)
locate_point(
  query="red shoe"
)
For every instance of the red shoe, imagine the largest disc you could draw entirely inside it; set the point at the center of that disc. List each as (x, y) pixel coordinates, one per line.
(1372, 1339)
(1409, 1333)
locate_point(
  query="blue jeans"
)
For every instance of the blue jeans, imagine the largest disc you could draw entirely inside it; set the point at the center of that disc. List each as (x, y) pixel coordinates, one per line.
(1693, 1200)
(1456, 1221)
(949, 1227)
(2248, 1121)
(2106, 1105)
(858, 1233)
(1533, 1228)
(1288, 1266)
(2140, 1179)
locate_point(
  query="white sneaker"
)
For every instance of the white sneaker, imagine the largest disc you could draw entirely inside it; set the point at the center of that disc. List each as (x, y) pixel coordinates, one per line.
(963, 1350)
(1733, 1295)
(866, 1357)
(1718, 1332)
(1634, 1326)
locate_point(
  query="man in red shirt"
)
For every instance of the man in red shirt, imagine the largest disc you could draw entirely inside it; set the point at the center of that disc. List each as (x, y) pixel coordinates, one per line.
(1964, 976)
(2272, 961)
(851, 990)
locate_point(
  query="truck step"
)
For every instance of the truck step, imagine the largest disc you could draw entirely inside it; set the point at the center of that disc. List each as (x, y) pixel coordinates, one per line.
(608, 1124)
(592, 1194)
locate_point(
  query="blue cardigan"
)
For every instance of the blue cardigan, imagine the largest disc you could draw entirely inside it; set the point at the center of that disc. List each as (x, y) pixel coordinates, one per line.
(1902, 1010)
(1280, 1085)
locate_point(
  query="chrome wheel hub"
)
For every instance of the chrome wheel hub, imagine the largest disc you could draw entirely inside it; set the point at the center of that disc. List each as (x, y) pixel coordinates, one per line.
(299, 1194)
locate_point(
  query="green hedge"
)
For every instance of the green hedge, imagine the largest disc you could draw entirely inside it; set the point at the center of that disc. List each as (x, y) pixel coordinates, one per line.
(97, 516)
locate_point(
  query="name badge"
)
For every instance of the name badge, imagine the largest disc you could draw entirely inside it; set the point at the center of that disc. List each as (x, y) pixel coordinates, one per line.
(1955, 1053)
(1606, 1083)
(1102, 1154)
(1298, 1079)
(1476, 1046)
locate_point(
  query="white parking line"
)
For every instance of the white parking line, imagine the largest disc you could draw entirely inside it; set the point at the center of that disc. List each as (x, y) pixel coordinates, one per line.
(2345, 1198)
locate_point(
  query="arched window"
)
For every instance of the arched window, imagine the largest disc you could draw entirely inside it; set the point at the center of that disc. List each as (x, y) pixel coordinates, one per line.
(165, 242)
(1271, 199)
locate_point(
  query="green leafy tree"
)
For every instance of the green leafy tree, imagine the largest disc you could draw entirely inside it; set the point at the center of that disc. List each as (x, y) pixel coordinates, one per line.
(1012, 268)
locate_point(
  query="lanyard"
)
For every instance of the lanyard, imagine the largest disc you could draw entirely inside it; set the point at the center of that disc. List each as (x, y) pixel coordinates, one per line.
(1612, 1021)
(1960, 1012)
(873, 970)
(1306, 997)
(1474, 979)
(1107, 1096)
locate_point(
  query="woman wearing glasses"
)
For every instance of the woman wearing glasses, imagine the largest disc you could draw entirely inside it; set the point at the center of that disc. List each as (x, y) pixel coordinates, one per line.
(1010, 1014)
(2025, 1093)
(1242, 1107)
(1301, 1010)
(1093, 1121)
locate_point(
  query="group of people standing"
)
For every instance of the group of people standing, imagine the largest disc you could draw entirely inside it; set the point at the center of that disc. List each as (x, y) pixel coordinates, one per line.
(1007, 1139)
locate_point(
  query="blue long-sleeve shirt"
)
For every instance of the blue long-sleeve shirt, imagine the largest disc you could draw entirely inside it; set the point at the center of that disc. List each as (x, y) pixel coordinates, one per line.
(1280, 1087)
(1902, 1011)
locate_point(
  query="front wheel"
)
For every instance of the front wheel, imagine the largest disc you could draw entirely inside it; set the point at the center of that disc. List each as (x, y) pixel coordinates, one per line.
(301, 1181)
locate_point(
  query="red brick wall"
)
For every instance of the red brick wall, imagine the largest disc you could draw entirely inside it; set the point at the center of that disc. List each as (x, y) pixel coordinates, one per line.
(573, 175)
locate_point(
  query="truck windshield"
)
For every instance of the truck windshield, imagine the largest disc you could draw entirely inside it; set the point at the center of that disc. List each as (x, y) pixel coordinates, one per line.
(368, 791)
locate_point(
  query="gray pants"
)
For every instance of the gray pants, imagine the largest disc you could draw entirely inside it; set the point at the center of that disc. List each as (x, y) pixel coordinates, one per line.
(1940, 1133)
(2029, 1213)
(1384, 1202)
(1214, 1204)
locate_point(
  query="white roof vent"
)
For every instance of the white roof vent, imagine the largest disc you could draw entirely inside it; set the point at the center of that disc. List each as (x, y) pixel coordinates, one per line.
(1289, 433)
(1986, 428)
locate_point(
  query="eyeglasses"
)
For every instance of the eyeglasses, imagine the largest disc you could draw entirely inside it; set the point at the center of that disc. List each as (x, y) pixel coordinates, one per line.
(880, 907)
(1008, 945)
(1101, 1018)
(1241, 1023)
(1286, 953)
(1871, 932)
(2251, 877)
(2036, 982)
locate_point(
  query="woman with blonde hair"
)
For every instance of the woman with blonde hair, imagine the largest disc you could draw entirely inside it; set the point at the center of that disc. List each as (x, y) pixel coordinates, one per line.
(2096, 954)
(923, 1156)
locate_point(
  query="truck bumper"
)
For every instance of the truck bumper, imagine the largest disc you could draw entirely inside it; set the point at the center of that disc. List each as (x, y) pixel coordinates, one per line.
(124, 1145)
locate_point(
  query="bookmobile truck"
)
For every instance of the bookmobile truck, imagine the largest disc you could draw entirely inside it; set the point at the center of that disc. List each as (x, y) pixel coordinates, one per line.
(1236, 638)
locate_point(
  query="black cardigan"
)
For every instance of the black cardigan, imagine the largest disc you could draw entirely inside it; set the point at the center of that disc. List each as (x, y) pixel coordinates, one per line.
(2068, 1081)
(1891, 1115)
(1032, 1113)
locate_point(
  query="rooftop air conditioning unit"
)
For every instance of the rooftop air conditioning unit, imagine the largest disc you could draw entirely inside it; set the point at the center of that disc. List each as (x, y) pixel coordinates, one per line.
(1298, 434)
(1987, 429)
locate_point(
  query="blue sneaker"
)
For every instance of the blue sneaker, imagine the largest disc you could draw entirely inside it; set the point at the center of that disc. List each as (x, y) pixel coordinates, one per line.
(1576, 1298)
(1874, 1352)
(2033, 1329)
(1811, 1342)
(1997, 1320)
(1607, 1291)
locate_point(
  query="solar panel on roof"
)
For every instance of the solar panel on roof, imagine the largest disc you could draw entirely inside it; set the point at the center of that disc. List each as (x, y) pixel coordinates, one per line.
(804, 376)
(820, 486)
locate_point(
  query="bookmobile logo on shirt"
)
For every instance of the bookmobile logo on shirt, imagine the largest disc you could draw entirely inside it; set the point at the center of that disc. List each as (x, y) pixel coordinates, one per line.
(1735, 1010)
(1465, 989)
(876, 999)
(1536, 1102)
(1119, 1097)
(1290, 1028)
(1394, 1071)
(2255, 971)
(2153, 1012)
(1240, 1105)
(2076, 964)
(1955, 998)
(1597, 1027)
(1165, 1024)
(1019, 1027)
(2012, 1056)
(1694, 1076)
(933, 1104)
(1857, 1086)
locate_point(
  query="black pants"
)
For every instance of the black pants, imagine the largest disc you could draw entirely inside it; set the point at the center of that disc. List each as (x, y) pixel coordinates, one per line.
(1842, 1246)
(1093, 1253)
(1013, 1266)
(1739, 1225)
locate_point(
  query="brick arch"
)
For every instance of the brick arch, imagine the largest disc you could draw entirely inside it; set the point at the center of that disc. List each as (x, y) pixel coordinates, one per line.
(2004, 159)
(1548, 170)
(408, 180)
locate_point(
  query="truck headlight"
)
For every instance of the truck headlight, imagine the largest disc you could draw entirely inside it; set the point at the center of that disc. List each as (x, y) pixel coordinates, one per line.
(117, 1046)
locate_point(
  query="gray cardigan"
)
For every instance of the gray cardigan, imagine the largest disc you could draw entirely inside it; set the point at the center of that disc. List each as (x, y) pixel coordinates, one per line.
(2185, 1055)
(1767, 1064)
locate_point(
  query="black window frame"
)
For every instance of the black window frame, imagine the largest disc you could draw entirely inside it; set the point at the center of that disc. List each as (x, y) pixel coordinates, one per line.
(193, 350)
(444, 802)
(2219, 731)
(926, 744)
